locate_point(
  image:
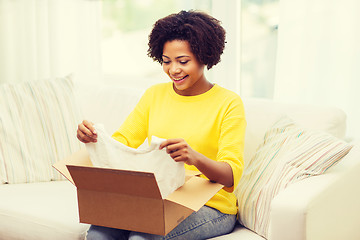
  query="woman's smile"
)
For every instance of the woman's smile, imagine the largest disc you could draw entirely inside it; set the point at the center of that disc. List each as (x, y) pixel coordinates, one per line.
(179, 79)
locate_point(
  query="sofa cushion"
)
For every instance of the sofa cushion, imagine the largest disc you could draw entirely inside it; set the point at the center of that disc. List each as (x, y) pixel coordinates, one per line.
(288, 154)
(41, 211)
(239, 233)
(38, 124)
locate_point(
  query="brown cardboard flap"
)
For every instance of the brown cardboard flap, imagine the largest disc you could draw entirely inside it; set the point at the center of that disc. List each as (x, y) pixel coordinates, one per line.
(195, 193)
(121, 211)
(80, 158)
(174, 214)
(132, 183)
(192, 172)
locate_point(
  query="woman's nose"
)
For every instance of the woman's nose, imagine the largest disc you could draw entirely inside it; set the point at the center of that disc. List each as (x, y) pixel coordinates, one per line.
(174, 69)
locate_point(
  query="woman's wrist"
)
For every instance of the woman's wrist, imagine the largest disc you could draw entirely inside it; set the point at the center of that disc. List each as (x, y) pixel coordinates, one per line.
(219, 172)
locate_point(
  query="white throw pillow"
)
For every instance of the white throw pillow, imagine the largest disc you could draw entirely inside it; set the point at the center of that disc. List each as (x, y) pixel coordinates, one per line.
(38, 124)
(288, 154)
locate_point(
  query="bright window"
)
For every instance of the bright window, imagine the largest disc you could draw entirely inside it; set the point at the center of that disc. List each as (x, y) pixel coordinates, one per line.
(248, 63)
(126, 26)
(259, 24)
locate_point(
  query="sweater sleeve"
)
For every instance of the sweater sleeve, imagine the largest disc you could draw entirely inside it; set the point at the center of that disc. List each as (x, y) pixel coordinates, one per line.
(133, 131)
(231, 141)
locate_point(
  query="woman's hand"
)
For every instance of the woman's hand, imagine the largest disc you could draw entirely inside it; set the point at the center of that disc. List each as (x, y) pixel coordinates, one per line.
(180, 151)
(86, 132)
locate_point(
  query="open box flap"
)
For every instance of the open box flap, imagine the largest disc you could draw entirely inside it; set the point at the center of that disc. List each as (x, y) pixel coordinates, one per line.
(141, 184)
(192, 172)
(80, 158)
(201, 190)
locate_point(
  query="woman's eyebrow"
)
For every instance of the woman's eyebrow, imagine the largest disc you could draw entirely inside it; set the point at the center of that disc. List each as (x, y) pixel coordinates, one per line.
(177, 56)
(181, 56)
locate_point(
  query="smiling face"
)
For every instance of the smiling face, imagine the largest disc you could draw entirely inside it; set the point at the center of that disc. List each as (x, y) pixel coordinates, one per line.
(183, 68)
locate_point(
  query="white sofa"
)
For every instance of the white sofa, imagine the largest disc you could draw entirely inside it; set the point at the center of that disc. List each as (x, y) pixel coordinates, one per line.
(318, 208)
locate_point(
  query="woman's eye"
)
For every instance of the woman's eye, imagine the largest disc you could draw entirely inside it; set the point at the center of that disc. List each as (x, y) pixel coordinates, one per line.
(184, 62)
(166, 62)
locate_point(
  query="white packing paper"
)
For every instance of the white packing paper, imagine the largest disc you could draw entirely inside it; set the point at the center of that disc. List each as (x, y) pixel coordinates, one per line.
(109, 153)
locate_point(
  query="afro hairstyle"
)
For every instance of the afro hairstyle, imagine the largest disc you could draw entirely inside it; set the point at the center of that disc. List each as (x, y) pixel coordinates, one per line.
(203, 32)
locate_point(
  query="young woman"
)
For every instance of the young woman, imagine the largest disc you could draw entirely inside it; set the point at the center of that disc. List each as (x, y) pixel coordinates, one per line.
(204, 124)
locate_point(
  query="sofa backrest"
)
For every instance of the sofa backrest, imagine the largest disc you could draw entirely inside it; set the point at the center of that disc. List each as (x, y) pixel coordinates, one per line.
(110, 105)
(261, 114)
(107, 104)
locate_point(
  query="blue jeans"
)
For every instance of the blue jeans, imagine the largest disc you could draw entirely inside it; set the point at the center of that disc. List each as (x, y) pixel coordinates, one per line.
(203, 224)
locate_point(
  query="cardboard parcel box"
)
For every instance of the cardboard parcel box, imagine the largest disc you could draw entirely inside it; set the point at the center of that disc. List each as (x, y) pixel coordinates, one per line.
(131, 200)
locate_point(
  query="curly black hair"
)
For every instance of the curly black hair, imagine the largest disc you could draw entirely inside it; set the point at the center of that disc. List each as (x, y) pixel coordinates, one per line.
(203, 32)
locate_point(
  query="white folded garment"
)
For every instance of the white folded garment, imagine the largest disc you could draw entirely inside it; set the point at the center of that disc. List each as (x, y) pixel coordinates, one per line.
(107, 152)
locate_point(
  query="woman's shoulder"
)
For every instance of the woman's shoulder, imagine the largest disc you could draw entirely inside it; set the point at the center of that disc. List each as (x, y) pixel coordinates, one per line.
(229, 100)
(227, 95)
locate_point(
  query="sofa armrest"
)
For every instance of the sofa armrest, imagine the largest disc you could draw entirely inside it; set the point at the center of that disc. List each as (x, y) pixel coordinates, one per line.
(321, 207)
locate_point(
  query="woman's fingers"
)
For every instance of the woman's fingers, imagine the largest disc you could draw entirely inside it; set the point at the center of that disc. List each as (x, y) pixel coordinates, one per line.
(172, 144)
(89, 125)
(86, 132)
(178, 149)
(84, 138)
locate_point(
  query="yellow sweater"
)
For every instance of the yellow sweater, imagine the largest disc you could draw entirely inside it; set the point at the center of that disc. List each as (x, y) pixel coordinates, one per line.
(212, 123)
